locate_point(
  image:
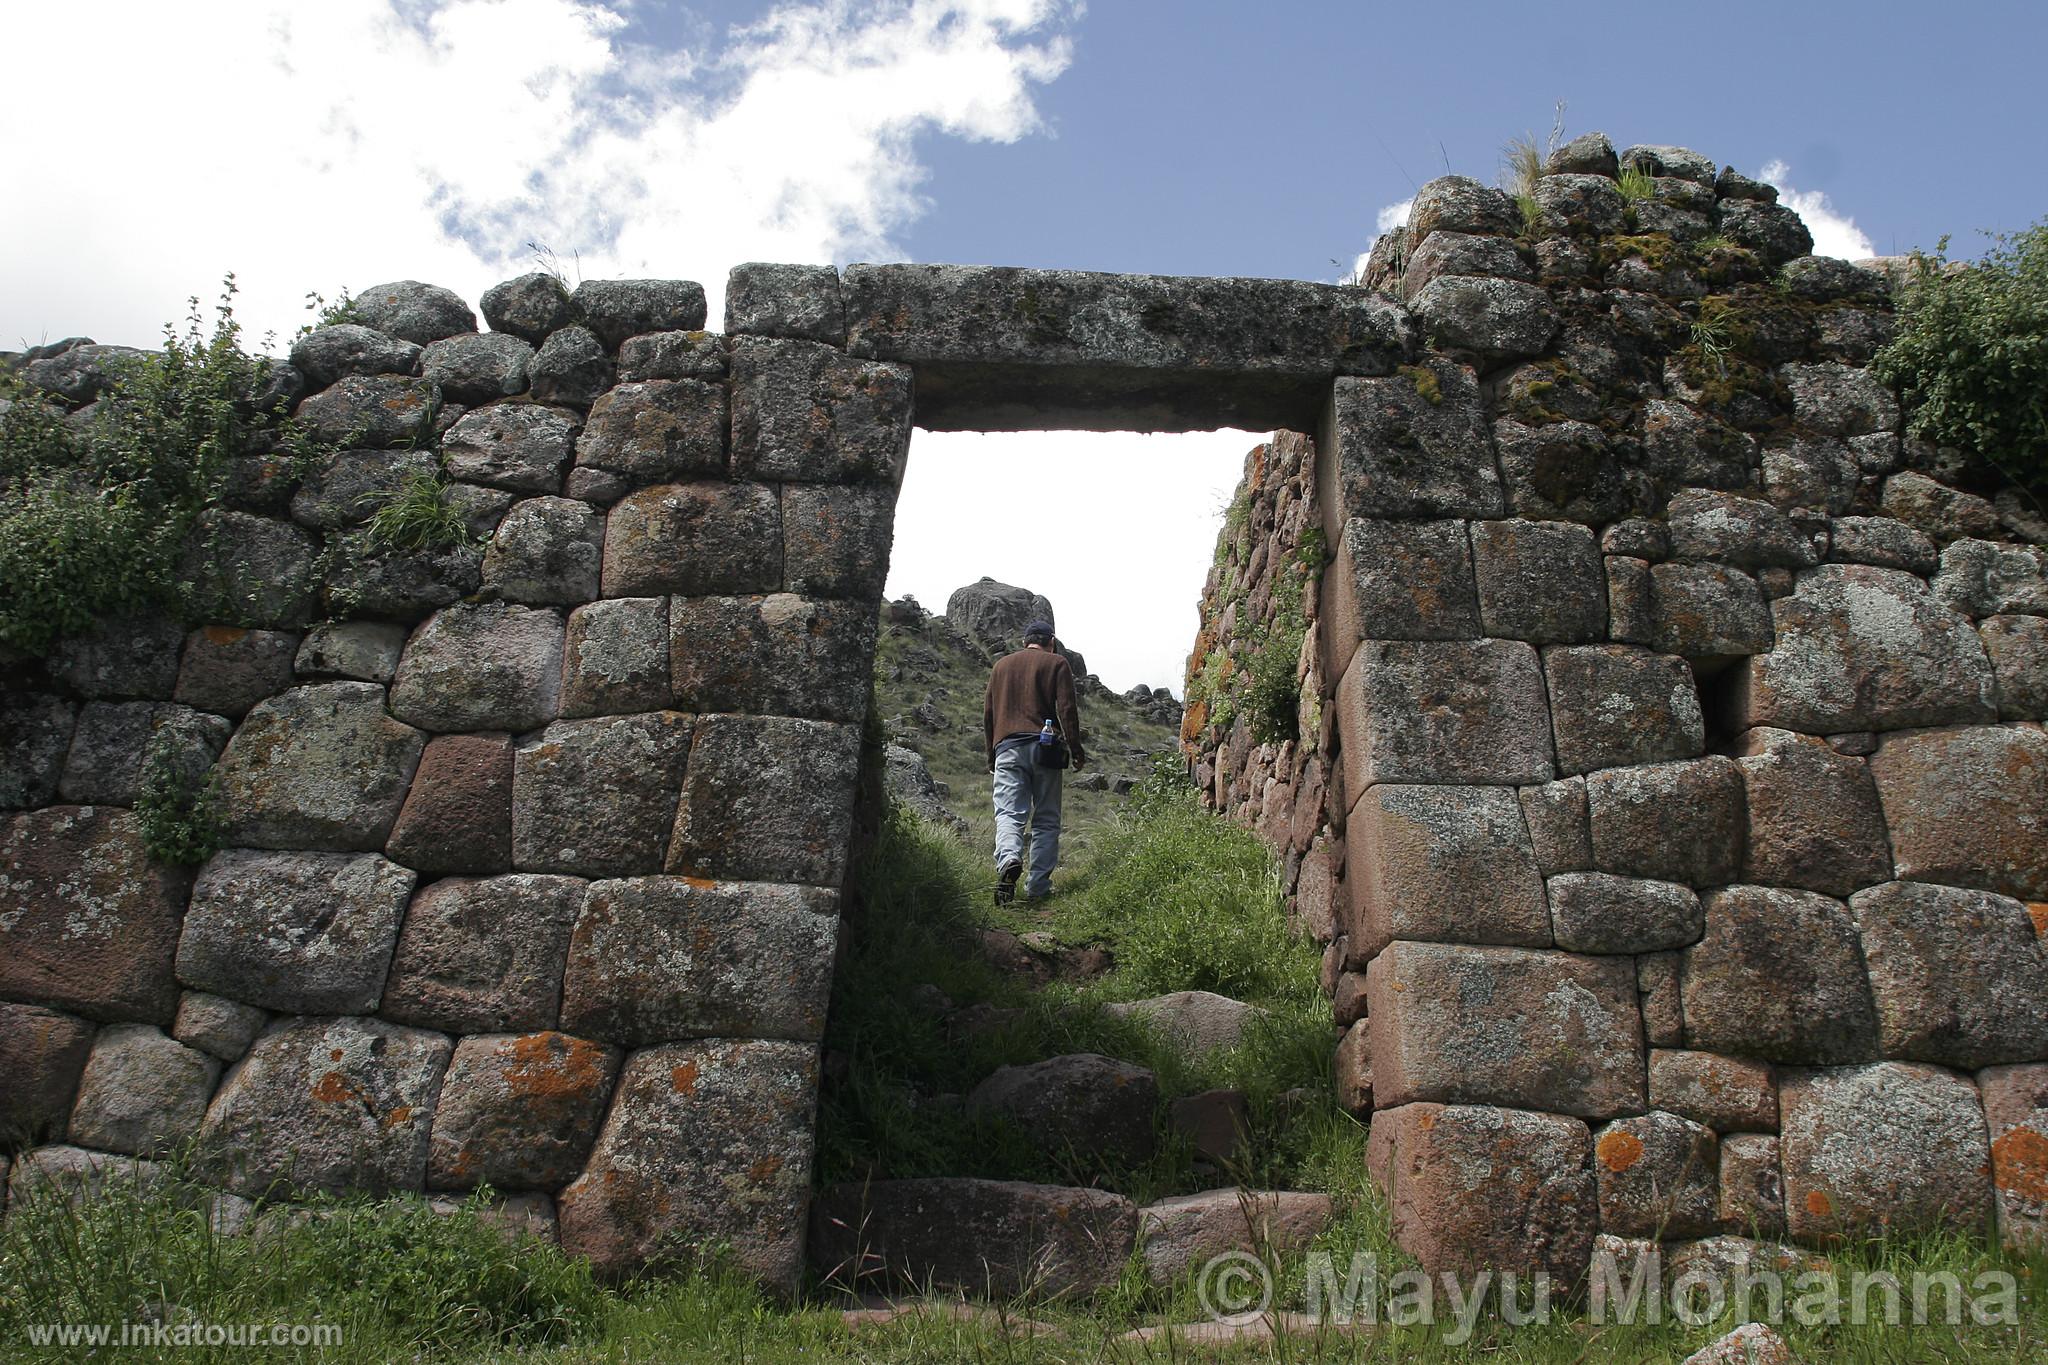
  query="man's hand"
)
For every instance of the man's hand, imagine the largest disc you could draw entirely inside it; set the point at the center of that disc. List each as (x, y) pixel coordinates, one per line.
(1080, 763)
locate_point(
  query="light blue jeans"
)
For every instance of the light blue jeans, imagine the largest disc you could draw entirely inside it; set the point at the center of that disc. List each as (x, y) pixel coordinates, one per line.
(1027, 795)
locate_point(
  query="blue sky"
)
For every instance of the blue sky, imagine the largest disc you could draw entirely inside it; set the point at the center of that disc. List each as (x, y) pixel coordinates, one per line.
(340, 144)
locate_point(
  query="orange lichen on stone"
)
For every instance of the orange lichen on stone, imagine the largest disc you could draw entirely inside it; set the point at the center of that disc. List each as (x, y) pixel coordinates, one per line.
(700, 883)
(552, 1065)
(398, 1116)
(1619, 1150)
(764, 1170)
(1818, 1204)
(333, 1088)
(2019, 1162)
(223, 635)
(2039, 912)
(684, 1078)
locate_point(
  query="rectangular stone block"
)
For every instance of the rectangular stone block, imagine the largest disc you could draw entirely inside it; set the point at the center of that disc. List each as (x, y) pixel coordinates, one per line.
(806, 412)
(596, 798)
(1532, 1029)
(1814, 818)
(1614, 705)
(657, 431)
(1752, 1186)
(1540, 581)
(767, 798)
(1893, 1146)
(323, 766)
(1709, 613)
(1960, 977)
(483, 955)
(1447, 864)
(42, 1054)
(775, 655)
(1728, 1094)
(835, 540)
(1673, 822)
(773, 300)
(1659, 1176)
(1402, 580)
(1597, 912)
(2018, 649)
(2016, 1110)
(1444, 711)
(1559, 829)
(695, 539)
(1413, 445)
(1779, 975)
(1968, 807)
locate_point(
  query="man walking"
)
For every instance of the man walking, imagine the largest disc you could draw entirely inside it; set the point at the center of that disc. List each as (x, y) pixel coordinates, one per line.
(1029, 723)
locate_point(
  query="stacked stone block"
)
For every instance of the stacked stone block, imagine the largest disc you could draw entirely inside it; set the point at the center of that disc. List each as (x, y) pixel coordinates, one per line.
(534, 845)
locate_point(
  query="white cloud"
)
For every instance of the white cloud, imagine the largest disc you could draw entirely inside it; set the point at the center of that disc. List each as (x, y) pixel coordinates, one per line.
(1388, 218)
(1834, 234)
(316, 146)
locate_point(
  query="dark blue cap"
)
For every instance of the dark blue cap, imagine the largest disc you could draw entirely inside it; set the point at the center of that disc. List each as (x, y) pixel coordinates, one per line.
(1038, 630)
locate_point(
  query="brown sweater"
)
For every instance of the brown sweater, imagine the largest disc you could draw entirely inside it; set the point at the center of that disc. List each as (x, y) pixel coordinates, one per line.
(1025, 688)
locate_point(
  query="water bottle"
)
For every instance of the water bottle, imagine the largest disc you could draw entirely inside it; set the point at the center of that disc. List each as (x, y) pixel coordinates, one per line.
(1046, 735)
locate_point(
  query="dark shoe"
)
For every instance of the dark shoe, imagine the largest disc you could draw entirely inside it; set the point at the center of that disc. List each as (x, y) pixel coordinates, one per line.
(1006, 883)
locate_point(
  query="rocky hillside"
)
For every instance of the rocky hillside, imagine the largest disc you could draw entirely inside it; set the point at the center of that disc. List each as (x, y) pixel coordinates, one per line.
(930, 673)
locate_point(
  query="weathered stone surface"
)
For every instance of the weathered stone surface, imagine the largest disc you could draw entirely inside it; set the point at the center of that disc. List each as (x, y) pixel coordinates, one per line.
(572, 368)
(1814, 818)
(1658, 995)
(809, 412)
(1586, 154)
(1960, 977)
(1596, 912)
(1095, 1107)
(91, 919)
(1441, 863)
(597, 798)
(695, 539)
(705, 1142)
(79, 374)
(412, 311)
(217, 1025)
(1684, 446)
(2018, 649)
(1941, 512)
(2016, 1111)
(519, 1111)
(365, 650)
(326, 1105)
(346, 487)
(301, 933)
(672, 355)
(121, 657)
(1454, 203)
(1862, 648)
(546, 551)
(995, 614)
(1352, 1066)
(478, 367)
(1560, 832)
(1779, 975)
(480, 508)
(1613, 705)
(1745, 532)
(377, 580)
(1185, 1232)
(1473, 1188)
(1402, 453)
(767, 798)
(1541, 1030)
(1658, 1176)
(835, 540)
(617, 309)
(1773, 231)
(1215, 1124)
(35, 735)
(325, 354)
(1429, 711)
(1840, 400)
(780, 655)
(1578, 203)
(655, 959)
(657, 431)
(484, 955)
(1402, 580)
(481, 667)
(141, 1093)
(1674, 822)
(1752, 1184)
(1892, 1145)
(1812, 474)
(77, 1175)
(763, 299)
(1985, 578)
(371, 411)
(227, 670)
(520, 447)
(1728, 1094)
(321, 766)
(1562, 471)
(528, 307)
(1463, 253)
(1540, 581)
(1195, 1022)
(1750, 1344)
(457, 818)
(994, 1237)
(1968, 807)
(1707, 612)
(108, 750)
(1493, 320)
(42, 1054)
(616, 658)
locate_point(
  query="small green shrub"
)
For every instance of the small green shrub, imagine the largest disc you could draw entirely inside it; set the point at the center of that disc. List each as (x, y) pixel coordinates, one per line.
(1636, 183)
(177, 805)
(417, 515)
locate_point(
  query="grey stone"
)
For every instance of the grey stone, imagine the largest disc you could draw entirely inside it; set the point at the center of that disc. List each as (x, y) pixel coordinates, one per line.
(617, 309)
(599, 486)
(1883, 542)
(657, 959)
(479, 367)
(120, 657)
(616, 658)
(325, 354)
(105, 765)
(785, 301)
(1530, 1028)
(1586, 154)
(217, 1025)
(695, 539)
(994, 614)
(1578, 204)
(767, 798)
(1564, 471)
(481, 667)
(1960, 977)
(141, 1093)
(227, 670)
(2018, 649)
(529, 307)
(320, 766)
(2016, 1110)
(706, 1143)
(91, 919)
(364, 650)
(1662, 1003)
(1779, 975)
(1415, 445)
(1940, 511)
(1823, 279)
(484, 955)
(1441, 863)
(42, 1053)
(519, 1112)
(80, 374)
(1403, 580)
(300, 933)
(347, 487)
(1728, 1094)
(1814, 818)
(1812, 474)
(1613, 705)
(1674, 822)
(1493, 319)
(1092, 1106)
(672, 355)
(597, 798)
(801, 410)
(1968, 807)
(546, 551)
(1774, 232)
(1681, 162)
(457, 816)
(656, 431)
(35, 735)
(375, 411)
(77, 1175)
(521, 447)
(1863, 648)
(1659, 1175)
(1462, 253)
(1186, 1232)
(836, 540)
(378, 580)
(326, 1106)
(908, 783)
(1427, 711)
(415, 312)
(1683, 446)
(1840, 400)
(1891, 1145)
(1745, 532)
(1194, 1022)
(1540, 581)
(1984, 578)
(1708, 613)
(1454, 203)
(252, 571)
(1560, 831)
(1597, 912)
(775, 655)
(572, 368)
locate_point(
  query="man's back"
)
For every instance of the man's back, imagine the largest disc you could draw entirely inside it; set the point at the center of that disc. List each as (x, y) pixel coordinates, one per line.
(1025, 689)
